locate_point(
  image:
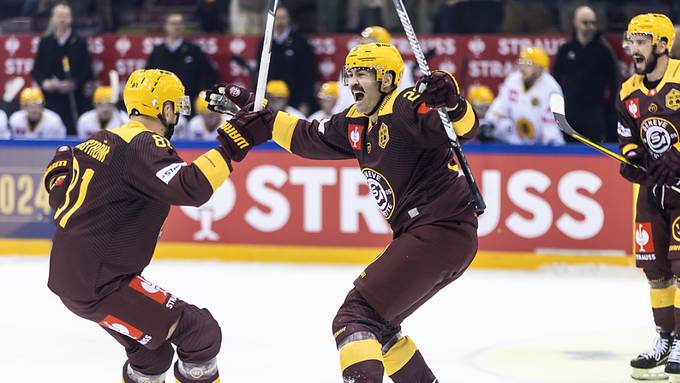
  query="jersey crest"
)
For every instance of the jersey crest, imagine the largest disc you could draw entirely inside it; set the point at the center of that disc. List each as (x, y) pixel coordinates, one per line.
(381, 190)
(658, 134)
(633, 107)
(673, 100)
(354, 132)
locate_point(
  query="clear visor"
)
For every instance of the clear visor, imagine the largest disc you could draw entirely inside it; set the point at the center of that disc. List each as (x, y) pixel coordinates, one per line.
(525, 62)
(184, 105)
(631, 39)
(348, 73)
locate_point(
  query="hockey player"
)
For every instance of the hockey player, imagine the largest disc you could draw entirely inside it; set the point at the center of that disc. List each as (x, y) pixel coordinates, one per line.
(521, 113)
(203, 126)
(327, 96)
(404, 153)
(112, 194)
(33, 120)
(480, 97)
(4, 128)
(647, 108)
(277, 94)
(103, 116)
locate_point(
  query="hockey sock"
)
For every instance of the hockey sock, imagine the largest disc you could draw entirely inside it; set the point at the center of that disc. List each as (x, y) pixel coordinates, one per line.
(131, 375)
(361, 361)
(197, 372)
(665, 304)
(404, 363)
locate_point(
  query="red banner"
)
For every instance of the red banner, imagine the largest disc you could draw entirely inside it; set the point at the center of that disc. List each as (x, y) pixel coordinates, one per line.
(475, 59)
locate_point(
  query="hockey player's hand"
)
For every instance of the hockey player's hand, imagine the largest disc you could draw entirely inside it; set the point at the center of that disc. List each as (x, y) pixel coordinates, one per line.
(634, 174)
(665, 170)
(441, 90)
(228, 98)
(247, 129)
(59, 168)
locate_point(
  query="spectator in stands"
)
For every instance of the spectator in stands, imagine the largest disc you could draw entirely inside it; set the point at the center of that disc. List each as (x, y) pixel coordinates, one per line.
(481, 97)
(521, 114)
(4, 128)
(62, 67)
(327, 96)
(278, 94)
(33, 120)
(213, 15)
(183, 58)
(292, 61)
(588, 72)
(103, 116)
(203, 126)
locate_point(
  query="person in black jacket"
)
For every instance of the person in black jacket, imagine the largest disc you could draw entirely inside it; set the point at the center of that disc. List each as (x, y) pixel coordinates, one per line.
(183, 58)
(587, 70)
(62, 67)
(292, 61)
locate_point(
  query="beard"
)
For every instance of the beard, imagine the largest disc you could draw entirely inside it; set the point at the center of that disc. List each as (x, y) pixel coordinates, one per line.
(650, 64)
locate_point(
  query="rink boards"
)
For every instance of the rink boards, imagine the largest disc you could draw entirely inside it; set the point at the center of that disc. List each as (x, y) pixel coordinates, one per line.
(545, 205)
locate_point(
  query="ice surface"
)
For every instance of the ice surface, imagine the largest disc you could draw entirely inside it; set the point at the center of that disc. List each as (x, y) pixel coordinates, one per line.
(580, 324)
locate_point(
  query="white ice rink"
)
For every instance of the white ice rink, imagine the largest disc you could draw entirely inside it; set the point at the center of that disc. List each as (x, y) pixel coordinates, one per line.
(555, 325)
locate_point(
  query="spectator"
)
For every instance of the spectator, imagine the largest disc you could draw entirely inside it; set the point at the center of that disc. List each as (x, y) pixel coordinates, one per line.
(203, 126)
(277, 95)
(481, 97)
(103, 116)
(213, 15)
(33, 120)
(62, 67)
(4, 129)
(588, 72)
(292, 61)
(521, 113)
(183, 58)
(328, 96)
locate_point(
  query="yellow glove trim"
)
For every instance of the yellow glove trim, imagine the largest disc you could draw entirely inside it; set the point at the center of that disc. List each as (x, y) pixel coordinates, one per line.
(465, 124)
(628, 148)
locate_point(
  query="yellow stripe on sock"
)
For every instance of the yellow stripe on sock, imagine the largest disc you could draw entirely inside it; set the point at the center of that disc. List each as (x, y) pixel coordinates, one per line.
(665, 297)
(676, 297)
(359, 351)
(396, 357)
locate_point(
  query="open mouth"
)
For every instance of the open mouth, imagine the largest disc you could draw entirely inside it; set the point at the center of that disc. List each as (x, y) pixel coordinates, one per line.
(358, 94)
(638, 59)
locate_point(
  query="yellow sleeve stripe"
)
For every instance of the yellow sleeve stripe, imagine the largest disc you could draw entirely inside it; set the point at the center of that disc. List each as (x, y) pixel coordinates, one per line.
(129, 131)
(676, 297)
(397, 356)
(214, 167)
(661, 298)
(465, 124)
(628, 148)
(284, 126)
(359, 351)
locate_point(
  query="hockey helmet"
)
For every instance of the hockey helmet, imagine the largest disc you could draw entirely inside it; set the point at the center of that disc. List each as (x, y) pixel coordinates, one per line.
(32, 95)
(480, 95)
(201, 104)
(103, 95)
(535, 56)
(655, 25)
(328, 90)
(376, 34)
(383, 58)
(148, 89)
(277, 88)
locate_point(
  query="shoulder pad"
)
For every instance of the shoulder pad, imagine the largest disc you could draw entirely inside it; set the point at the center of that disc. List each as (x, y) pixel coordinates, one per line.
(629, 86)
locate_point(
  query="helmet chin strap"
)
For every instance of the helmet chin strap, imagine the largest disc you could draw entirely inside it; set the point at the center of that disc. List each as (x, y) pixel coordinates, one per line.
(169, 126)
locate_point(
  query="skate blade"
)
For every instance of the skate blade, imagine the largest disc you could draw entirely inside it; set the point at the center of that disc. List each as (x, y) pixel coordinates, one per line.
(655, 373)
(673, 378)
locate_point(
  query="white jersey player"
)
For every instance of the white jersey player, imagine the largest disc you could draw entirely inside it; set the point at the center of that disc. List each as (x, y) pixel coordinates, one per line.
(33, 120)
(203, 126)
(103, 116)
(521, 112)
(4, 128)
(327, 96)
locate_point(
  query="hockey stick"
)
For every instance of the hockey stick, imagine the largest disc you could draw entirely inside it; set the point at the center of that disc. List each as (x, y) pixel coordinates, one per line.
(114, 82)
(12, 88)
(266, 55)
(557, 109)
(66, 66)
(443, 115)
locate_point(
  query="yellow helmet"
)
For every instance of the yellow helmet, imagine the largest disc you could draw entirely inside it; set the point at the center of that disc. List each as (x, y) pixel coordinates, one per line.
(277, 88)
(329, 89)
(103, 95)
(535, 56)
(377, 34)
(480, 95)
(383, 58)
(656, 25)
(201, 104)
(148, 89)
(32, 95)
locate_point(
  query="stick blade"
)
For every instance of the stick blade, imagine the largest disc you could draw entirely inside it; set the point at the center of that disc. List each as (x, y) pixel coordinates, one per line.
(114, 82)
(12, 88)
(557, 103)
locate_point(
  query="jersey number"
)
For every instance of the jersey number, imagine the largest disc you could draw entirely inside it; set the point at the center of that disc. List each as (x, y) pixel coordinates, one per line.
(411, 95)
(66, 210)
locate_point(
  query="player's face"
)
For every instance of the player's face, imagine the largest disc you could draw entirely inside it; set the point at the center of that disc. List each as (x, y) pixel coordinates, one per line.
(277, 104)
(365, 89)
(642, 51)
(480, 109)
(327, 103)
(34, 112)
(104, 110)
(530, 72)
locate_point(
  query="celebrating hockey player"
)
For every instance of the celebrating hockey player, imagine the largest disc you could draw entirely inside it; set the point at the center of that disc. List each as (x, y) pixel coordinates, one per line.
(103, 116)
(648, 136)
(521, 114)
(33, 120)
(112, 194)
(404, 153)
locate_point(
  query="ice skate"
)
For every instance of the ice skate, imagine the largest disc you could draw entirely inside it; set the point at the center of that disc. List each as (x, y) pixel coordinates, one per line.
(673, 363)
(650, 365)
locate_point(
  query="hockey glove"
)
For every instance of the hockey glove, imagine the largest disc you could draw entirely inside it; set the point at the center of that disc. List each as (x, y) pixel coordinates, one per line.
(247, 129)
(665, 170)
(228, 98)
(57, 176)
(441, 90)
(631, 173)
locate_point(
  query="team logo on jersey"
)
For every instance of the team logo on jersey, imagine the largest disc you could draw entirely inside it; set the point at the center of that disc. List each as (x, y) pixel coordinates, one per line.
(653, 108)
(535, 101)
(383, 135)
(141, 285)
(644, 241)
(676, 229)
(673, 100)
(121, 327)
(633, 107)
(658, 134)
(525, 129)
(381, 190)
(354, 135)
